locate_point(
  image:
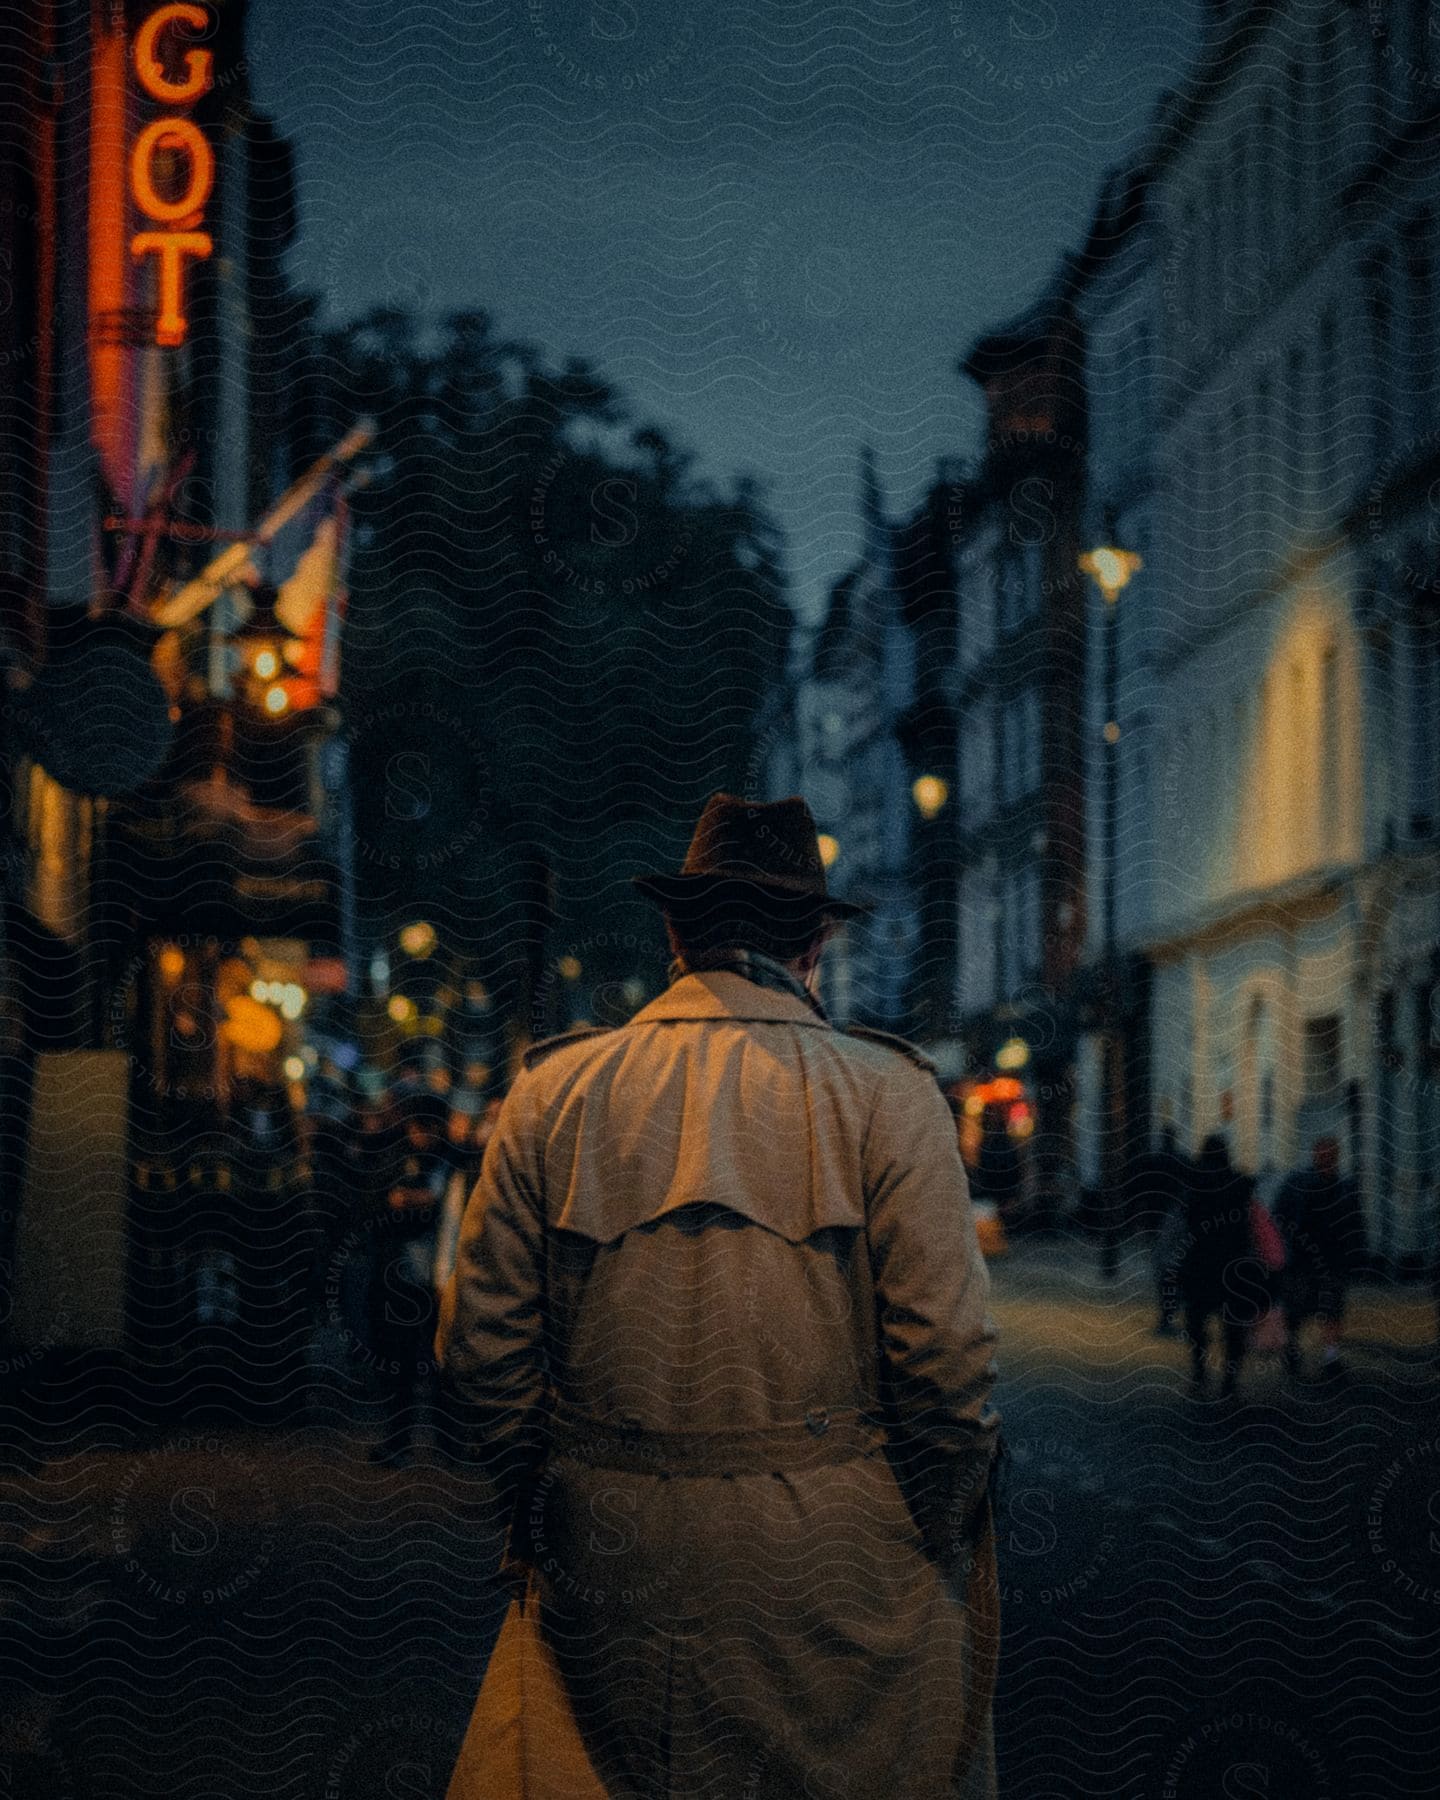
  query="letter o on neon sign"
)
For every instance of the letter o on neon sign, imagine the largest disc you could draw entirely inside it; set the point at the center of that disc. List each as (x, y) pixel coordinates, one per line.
(171, 134)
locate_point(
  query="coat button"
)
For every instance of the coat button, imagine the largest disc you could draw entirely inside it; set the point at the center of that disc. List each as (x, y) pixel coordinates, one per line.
(818, 1422)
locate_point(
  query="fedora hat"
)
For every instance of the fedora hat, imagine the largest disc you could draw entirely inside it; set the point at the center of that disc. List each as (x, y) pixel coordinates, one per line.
(770, 848)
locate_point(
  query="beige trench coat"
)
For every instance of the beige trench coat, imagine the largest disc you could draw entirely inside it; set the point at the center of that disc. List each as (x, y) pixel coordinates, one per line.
(728, 1216)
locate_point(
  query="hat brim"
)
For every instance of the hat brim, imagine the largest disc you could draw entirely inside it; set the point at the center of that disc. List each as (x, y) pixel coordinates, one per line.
(691, 891)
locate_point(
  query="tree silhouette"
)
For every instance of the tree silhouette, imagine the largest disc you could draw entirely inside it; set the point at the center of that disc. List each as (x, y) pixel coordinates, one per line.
(557, 644)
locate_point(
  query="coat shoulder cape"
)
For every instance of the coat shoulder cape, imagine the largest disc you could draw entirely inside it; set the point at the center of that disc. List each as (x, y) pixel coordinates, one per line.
(541, 1048)
(902, 1045)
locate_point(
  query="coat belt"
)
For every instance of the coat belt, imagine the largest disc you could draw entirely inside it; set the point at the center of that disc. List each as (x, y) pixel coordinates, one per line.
(825, 1435)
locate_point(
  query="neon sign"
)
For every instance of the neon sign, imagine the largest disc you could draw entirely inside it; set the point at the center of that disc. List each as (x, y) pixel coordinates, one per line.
(176, 147)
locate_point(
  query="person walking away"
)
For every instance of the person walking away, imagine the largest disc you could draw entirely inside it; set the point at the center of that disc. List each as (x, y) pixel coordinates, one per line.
(402, 1299)
(719, 1315)
(1216, 1240)
(1157, 1204)
(1319, 1216)
(998, 1174)
(466, 1136)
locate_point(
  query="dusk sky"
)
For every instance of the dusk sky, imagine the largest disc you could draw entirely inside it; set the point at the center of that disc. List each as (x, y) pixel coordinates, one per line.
(774, 223)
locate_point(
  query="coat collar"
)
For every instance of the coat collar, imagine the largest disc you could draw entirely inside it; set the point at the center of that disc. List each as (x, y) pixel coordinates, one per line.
(720, 994)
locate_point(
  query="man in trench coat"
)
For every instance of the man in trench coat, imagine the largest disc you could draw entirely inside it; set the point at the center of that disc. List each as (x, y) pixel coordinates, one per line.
(719, 1314)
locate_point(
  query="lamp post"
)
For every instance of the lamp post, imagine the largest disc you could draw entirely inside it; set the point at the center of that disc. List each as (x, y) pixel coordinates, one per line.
(1111, 569)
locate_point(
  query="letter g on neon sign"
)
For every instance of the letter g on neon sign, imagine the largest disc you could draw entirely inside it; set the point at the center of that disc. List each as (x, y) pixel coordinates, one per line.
(199, 64)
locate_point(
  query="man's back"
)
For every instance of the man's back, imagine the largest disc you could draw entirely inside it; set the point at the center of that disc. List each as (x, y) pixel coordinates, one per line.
(734, 1249)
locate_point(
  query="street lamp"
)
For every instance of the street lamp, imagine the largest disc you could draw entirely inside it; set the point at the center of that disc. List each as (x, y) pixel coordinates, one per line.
(1111, 568)
(929, 793)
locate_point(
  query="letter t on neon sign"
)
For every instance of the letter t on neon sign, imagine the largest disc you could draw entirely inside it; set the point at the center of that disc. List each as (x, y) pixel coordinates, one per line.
(171, 247)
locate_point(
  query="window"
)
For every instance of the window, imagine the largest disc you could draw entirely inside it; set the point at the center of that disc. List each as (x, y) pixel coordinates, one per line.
(1215, 231)
(1423, 733)
(1375, 75)
(1329, 94)
(1009, 752)
(1263, 464)
(1265, 185)
(1299, 766)
(976, 975)
(1034, 740)
(1010, 933)
(1383, 666)
(977, 762)
(977, 615)
(1236, 298)
(1020, 746)
(1322, 1054)
(1033, 561)
(1012, 591)
(1295, 131)
(1032, 947)
(1020, 927)
(1329, 404)
(1419, 324)
(1233, 494)
(1297, 431)
(1379, 275)
(1330, 723)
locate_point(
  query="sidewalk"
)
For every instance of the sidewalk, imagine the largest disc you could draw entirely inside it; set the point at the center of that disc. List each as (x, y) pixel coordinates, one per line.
(1039, 1278)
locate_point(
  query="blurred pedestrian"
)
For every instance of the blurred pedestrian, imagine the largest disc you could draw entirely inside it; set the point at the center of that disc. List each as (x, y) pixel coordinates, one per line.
(1319, 1216)
(1216, 1241)
(402, 1300)
(720, 1312)
(998, 1174)
(1157, 1188)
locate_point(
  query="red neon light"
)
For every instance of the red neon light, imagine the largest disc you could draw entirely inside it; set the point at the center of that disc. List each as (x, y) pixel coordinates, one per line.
(172, 134)
(171, 247)
(185, 211)
(199, 64)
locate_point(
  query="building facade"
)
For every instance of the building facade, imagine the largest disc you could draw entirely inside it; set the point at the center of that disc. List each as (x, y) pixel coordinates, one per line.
(1293, 911)
(1116, 299)
(857, 686)
(176, 861)
(1019, 705)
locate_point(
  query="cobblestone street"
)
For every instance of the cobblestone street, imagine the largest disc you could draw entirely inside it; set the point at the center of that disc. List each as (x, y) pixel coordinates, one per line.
(1193, 1596)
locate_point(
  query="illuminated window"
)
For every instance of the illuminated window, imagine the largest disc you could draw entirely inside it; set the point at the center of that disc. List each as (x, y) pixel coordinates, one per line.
(1330, 726)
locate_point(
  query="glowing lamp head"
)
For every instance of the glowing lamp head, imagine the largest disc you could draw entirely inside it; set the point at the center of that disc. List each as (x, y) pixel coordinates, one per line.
(1014, 1053)
(929, 793)
(277, 701)
(266, 664)
(1111, 568)
(829, 850)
